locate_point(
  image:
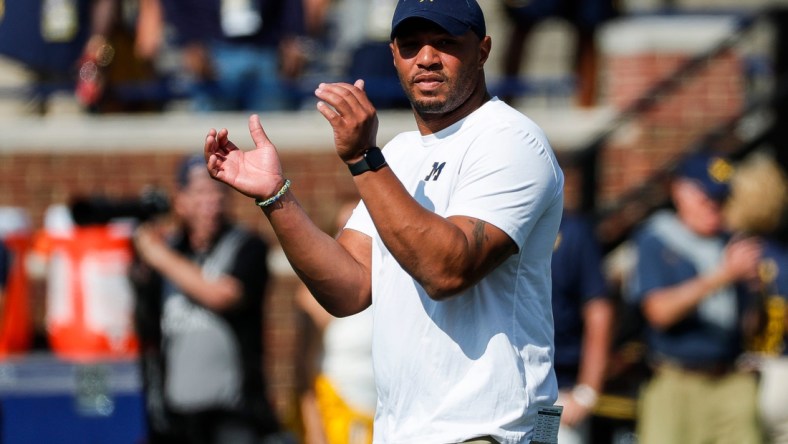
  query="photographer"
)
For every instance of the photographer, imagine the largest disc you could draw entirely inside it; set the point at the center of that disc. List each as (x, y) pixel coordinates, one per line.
(200, 295)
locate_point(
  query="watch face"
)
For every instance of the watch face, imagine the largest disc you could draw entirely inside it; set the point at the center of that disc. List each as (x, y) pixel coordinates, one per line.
(373, 160)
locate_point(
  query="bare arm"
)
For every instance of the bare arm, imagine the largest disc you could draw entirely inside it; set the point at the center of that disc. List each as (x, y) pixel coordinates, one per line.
(150, 29)
(597, 334)
(217, 294)
(665, 307)
(337, 272)
(445, 255)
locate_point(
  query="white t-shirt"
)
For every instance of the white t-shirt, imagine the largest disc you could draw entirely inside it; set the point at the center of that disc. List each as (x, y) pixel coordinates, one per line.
(480, 362)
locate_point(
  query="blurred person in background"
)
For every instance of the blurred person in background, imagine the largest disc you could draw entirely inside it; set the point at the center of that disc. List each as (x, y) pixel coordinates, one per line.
(759, 194)
(361, 31)
(113, 74)
(338, 403)
(46, 38)
(585, 17)
(583, 315)
(82, 47)
(199, 316)
(239, 55)
(688, 282)
(451, 246)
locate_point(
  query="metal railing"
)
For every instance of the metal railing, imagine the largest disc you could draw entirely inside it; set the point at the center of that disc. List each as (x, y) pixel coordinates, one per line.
(640, 201)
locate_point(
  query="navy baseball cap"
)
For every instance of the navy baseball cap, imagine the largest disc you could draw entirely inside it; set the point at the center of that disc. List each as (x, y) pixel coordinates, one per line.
(185, 168)
(711, 172)
(455, 16)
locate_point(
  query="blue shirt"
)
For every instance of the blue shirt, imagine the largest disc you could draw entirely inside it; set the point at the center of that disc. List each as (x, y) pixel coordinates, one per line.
(22, 36)
(577, 278)
(669, 254)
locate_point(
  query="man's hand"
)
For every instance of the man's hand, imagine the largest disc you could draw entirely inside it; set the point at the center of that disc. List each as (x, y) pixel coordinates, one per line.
(574, 412)
(741, 259)
(256, 173)
(352, 116)
(150, 244)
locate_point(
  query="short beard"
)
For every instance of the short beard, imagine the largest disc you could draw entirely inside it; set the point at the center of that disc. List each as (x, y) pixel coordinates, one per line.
(458, 94)
(433, 105)
(430, 107)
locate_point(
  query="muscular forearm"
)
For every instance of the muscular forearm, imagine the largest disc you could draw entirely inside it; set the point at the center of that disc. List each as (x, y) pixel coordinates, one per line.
(666, 306)
(336, 272)
(445, 256)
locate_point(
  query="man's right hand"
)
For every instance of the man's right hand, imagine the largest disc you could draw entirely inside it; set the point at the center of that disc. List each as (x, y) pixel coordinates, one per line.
(256, 173)
(741, 259)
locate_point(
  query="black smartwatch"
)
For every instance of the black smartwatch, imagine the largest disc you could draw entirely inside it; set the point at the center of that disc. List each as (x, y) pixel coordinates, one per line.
(373, 160)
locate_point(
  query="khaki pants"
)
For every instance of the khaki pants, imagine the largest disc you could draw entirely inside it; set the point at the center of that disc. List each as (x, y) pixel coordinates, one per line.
(680, 406)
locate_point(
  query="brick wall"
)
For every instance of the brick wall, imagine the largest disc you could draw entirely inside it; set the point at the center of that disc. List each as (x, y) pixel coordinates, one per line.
(34, 181)
(710, 96)
(638, 54)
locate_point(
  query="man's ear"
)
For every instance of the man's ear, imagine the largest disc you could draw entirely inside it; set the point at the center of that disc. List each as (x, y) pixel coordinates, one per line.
(393, 55)
(485, 46)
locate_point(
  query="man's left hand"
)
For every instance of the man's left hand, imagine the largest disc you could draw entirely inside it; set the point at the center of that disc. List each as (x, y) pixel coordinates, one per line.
(352, 116)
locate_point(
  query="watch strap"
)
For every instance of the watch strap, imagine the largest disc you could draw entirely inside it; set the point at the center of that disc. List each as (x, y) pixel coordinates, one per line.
(373, 160)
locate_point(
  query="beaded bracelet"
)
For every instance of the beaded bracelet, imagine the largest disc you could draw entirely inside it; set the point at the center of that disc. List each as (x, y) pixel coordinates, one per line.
(275, 197)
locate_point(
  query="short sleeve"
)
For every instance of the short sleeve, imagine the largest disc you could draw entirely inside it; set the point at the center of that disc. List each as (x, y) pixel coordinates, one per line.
(509, 180)
(648, 273)
(361, 221)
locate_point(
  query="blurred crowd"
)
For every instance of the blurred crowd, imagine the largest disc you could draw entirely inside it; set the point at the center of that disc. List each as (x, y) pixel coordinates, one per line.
(684, 342)
(145, 55)
(212, 55)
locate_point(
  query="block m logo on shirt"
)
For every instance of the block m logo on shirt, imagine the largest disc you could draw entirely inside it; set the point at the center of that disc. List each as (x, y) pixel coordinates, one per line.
(437, 168)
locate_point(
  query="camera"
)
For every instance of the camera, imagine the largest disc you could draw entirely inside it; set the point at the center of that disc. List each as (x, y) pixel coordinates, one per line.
(92, 210)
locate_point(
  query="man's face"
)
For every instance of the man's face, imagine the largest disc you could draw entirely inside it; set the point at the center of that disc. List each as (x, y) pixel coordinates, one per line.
(697, 210)
(200, 204)
(437, 70)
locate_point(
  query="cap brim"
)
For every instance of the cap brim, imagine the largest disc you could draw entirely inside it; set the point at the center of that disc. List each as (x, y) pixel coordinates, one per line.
(715, 192)
(449, 24)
